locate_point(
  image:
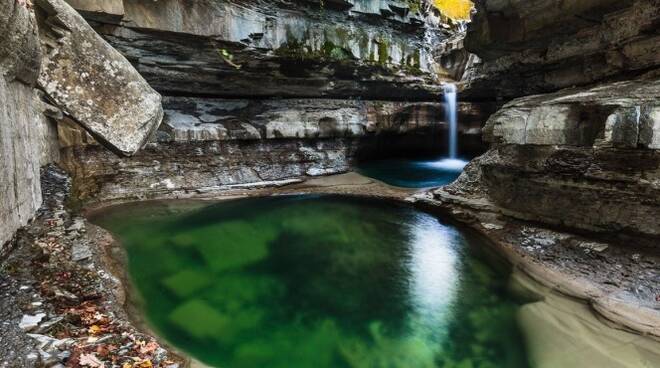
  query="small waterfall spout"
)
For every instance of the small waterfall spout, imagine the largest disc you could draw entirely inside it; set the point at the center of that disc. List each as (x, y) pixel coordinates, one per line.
(451, 116)
(451, 163)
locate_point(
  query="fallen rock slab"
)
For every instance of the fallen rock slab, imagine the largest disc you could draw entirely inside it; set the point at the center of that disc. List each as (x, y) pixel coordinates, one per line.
(94, 83)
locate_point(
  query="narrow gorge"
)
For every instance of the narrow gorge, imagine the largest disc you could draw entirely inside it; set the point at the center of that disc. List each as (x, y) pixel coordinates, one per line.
(330, 183)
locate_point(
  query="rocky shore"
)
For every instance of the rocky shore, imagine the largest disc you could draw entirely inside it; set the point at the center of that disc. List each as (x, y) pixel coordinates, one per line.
(65, 289)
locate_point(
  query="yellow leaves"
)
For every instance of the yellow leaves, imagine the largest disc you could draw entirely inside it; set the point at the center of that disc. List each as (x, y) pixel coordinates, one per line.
(454, 9)
(143, 364)
(139, 364)
(94, 329)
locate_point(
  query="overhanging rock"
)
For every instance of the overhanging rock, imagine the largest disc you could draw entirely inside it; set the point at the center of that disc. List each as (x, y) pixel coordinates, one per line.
(94, 83)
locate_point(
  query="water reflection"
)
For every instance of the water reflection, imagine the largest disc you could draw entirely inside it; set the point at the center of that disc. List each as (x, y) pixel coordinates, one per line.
(433, 265)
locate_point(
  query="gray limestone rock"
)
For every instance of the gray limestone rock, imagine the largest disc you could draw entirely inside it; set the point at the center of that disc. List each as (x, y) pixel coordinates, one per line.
(27, 138)
(623, 114)
(540, 46)
(94, 83)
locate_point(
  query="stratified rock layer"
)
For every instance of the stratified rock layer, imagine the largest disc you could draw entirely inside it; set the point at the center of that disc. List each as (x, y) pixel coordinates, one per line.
(367, 49)
(214, 144)
(94, 83)
(582, 159)
(538, 46)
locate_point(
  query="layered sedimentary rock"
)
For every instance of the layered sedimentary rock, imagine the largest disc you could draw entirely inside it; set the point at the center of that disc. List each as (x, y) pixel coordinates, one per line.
(93, 83)
(585, 157)
(368, 49)
(26, 137)
(538, 46)
(264, 91)
(582, 159)
(213, 144)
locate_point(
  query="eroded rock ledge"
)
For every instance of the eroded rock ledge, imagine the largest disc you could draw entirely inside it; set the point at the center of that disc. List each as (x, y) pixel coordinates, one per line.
(581, 159)
(212, 144)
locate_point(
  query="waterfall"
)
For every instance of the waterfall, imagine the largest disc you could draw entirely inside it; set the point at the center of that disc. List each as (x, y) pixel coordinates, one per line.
(451, 163)
(451, 117)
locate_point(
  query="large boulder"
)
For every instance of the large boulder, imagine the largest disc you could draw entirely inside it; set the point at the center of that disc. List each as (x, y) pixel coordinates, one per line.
(93, 83)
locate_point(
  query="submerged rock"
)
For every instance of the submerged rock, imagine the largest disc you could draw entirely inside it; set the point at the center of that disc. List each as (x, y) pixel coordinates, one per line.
(94, 83)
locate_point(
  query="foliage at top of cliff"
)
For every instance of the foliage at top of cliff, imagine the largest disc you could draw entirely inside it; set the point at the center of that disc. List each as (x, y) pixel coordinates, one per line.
(454, 9)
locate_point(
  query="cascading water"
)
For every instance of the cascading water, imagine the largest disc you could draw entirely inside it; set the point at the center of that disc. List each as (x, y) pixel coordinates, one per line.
(452, 163)
(425, 173)
(450, 112)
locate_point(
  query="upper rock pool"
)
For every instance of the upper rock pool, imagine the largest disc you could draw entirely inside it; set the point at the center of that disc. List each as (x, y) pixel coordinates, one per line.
(334, 281)
(413, 173)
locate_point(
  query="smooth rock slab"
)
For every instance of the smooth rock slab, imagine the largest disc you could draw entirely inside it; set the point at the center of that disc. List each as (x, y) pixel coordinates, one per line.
(94, 83)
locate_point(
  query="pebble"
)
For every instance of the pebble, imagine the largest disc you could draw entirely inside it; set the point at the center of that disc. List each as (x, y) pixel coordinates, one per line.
(80, 251)
(30, 322)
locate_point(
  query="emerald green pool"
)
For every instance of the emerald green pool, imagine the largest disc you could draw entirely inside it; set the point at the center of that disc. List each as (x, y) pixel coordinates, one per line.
(318, 281)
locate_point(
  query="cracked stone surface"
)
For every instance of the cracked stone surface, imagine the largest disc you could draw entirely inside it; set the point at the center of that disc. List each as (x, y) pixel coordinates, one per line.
(94, 83)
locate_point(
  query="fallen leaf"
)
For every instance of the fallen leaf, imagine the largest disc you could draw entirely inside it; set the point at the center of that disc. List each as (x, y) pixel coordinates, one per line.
(90, 360)
(94, 329)
(144, 364)
(148, 348)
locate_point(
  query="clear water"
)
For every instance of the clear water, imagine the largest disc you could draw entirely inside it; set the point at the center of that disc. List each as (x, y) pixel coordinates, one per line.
(413, 173)
(318, 281)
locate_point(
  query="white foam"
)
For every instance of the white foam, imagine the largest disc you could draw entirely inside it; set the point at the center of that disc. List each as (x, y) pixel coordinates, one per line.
(448, 164)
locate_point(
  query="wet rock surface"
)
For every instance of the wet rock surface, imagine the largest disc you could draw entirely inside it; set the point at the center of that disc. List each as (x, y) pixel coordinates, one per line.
(618, 279)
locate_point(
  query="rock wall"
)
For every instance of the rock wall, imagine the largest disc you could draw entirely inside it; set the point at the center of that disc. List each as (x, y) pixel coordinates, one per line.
(53, 65)
(367, 49)
(588, 160)
(213, 144)
(259, 92)
(537, 46)
(582, 158)
(27, 139)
